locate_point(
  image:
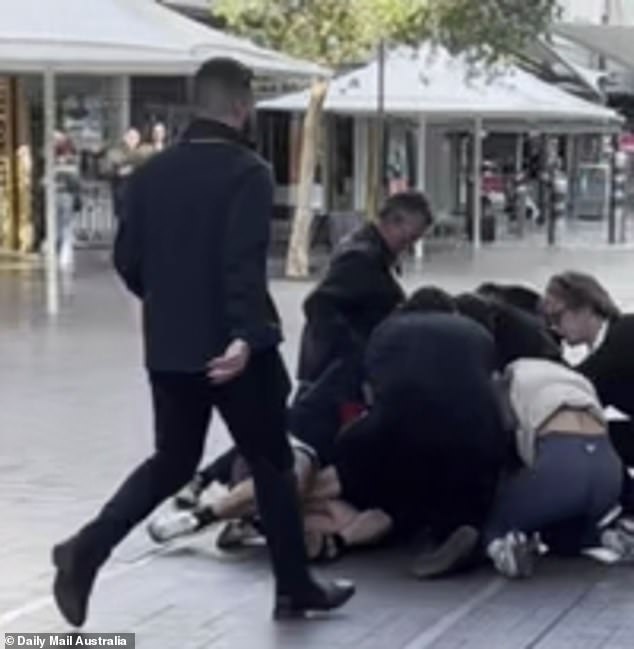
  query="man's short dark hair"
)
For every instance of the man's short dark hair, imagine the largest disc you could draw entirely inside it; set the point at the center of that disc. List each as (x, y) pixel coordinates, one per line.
(221, 81)
(477, 307)
(429, 299)
(406, 205)
(516, 295)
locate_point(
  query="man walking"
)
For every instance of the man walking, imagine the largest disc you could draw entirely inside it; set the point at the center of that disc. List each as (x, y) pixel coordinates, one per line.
(192, 247)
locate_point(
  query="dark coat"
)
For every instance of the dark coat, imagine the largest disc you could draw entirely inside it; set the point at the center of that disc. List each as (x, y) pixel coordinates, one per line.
(192, 246)
(432, 447)
(518, 334)
(358, 291)
(611, 366)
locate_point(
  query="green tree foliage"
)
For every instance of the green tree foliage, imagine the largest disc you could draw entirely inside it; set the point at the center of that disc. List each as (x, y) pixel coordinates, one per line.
(336, 32)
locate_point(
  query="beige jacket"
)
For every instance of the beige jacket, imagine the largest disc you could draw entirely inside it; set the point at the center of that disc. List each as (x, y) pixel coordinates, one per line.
(538, 389)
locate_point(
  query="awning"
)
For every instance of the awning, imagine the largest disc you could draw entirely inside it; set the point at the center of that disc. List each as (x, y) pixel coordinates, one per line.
(437, 85)
(123, 37)
(613, 42)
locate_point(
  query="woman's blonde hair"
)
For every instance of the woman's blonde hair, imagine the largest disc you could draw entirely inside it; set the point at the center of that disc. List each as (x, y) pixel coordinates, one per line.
(580, 290)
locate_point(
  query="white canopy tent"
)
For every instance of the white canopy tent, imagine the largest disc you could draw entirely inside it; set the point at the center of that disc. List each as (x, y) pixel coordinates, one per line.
(111, 37)
(433, 83)
(122, 36)
(430, 84)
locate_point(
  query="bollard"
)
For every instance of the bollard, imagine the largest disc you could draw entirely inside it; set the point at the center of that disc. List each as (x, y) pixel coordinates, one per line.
(558, 207)
(619, 180)
(521, 195)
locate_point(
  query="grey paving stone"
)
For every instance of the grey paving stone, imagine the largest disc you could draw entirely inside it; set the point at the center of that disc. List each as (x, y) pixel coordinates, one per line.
(74, 418)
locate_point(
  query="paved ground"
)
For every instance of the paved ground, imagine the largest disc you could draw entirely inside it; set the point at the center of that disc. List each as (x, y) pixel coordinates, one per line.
(74, 418)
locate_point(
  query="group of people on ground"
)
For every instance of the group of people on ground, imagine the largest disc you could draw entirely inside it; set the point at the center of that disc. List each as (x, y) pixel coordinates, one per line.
(452, 415)
(456, 416)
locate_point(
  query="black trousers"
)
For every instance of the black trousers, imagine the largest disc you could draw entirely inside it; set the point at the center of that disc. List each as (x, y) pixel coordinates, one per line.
(254, 408)
(622, 437)
(315, 414)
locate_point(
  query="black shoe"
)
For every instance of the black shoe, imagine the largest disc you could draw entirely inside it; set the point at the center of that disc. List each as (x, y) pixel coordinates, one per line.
(73, 583)
(455, 554)
(320, 599)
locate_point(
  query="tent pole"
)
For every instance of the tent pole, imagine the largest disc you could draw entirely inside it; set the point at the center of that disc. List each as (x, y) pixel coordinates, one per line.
(421, 168)
(477, 185)
(519, 154)
(52, 278)
(380, 136)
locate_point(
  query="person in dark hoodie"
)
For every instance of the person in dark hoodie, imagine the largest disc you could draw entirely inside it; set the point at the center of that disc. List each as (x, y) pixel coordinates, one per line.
(192, 246)
(431, 447)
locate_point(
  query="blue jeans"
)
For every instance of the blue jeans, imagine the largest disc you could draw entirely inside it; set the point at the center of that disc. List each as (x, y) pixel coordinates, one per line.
(574, 483)
(65, 217)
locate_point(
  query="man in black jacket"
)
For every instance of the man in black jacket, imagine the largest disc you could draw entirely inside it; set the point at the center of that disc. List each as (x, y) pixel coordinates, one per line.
(360, 288)
(192, 247)
(358, 292)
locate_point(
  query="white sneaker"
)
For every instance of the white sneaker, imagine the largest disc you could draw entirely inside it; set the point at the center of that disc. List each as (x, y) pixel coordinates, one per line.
(172, 526)
(513, 555)
(237, 534)
(189, 496)
(620, 540)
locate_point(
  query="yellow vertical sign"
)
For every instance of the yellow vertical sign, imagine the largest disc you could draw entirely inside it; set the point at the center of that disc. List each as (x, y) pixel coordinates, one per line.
(6, 180)
(16, 229)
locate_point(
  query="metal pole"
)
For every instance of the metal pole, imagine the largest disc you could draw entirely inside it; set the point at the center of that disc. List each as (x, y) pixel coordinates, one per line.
(380, 130)
(421, 180)
(521, 190)
(519, 154)
(619, 183)
(571, 172)
(476, 229)
(612, 198)
(124, 95)
(52, 278)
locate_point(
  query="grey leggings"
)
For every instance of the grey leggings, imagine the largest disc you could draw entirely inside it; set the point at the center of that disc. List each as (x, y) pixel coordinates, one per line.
(575, 481)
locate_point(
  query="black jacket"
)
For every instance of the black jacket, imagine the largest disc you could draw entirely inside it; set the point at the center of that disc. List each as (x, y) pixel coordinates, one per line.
(611, 366)
(518, 334)
(358, 291)
(193, 244)
(445, 356)
(433, 441)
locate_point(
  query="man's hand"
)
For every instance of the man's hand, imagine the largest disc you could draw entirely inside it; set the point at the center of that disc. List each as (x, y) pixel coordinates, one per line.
(231, 364)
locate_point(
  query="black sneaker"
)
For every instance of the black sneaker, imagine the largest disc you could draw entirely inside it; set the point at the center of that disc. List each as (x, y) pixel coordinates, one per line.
(320, 598)
(237, 534)
(455, 554)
